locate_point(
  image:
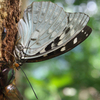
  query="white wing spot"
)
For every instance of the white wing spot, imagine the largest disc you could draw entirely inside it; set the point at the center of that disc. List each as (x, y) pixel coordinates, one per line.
(75, 41)
(82, 30)
(55, 15)
(71, 26)
(70, 19)
(35, 35)
(37, 9)
(34, 21)
(43, 12)
(79, 21)
(52, 45)
(50, 10)
(63, 49)
(62, 24)
(40, 20)
(22, 57)
(60, 43)
(72, 32)
(62, 36)
(75, 19)
(53, 34)
(49, 31)
(50, 22)
(60, 19)
(86, 35)
(45, 55)
(46, 20)
(42, 51)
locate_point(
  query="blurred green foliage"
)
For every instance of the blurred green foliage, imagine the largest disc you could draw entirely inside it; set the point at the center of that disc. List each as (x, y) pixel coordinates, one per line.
(74, 75)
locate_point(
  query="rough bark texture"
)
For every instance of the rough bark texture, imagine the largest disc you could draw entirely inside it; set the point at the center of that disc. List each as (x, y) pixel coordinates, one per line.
(11, 27)
(3, 15)
(9, 17)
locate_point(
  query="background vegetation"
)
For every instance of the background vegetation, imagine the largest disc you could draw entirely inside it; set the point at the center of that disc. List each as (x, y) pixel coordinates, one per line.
(74, 75)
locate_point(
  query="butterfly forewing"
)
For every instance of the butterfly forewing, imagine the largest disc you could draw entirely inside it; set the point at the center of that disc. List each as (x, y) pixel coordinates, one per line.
(46, 31)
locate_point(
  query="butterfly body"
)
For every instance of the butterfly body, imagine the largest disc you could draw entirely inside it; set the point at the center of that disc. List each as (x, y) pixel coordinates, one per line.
(8, 89)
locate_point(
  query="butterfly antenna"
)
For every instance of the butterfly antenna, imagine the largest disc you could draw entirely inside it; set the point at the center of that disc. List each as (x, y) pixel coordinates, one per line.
(28, 82)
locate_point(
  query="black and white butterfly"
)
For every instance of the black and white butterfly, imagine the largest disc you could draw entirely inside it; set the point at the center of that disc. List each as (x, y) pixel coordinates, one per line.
(46, 31)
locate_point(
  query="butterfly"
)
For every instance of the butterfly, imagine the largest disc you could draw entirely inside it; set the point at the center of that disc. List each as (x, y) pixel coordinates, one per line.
(45, 31)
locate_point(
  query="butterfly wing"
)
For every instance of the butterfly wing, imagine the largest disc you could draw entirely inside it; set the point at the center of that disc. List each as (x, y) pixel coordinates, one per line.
(64, 48)
(46, 31)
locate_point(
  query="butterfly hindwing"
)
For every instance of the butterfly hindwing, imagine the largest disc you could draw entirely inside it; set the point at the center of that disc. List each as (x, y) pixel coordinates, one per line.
(65, 48)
